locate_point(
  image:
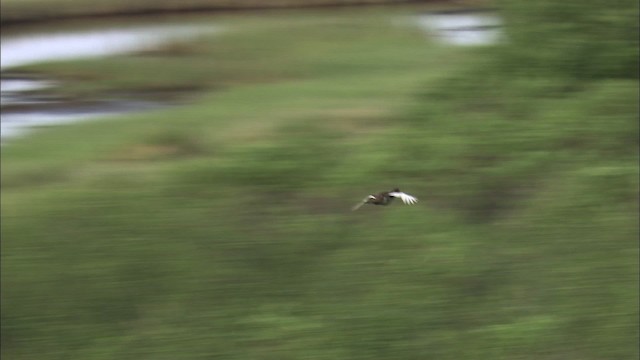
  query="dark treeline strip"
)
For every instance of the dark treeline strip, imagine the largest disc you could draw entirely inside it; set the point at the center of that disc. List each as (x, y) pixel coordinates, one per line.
(20, 13)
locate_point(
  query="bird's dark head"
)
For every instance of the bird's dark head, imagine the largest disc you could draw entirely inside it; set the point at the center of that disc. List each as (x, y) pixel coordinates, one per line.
(396, 190)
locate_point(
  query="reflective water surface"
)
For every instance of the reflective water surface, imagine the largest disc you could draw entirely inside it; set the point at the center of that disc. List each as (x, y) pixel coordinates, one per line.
(463, 28)
(24, 107)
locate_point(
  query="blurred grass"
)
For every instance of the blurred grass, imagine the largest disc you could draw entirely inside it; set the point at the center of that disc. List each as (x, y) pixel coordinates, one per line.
(221, 229)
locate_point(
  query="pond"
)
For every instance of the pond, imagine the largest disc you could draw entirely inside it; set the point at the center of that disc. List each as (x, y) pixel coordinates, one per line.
(23, 109)
(31, 48)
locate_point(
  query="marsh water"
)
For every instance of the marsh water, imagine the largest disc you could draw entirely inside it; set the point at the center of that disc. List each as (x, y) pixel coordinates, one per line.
(24, 102)
(463, 28)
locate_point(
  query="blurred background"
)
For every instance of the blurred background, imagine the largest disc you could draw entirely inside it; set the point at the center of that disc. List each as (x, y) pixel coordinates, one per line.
(177, 179)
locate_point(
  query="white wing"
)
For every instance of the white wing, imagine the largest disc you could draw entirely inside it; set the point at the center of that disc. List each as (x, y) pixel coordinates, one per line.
(406, 198)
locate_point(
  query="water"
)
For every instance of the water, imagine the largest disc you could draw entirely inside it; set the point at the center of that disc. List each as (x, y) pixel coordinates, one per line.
(14, 91)
(24, 93)
(28, 49)
(471, 28)
(19, 123)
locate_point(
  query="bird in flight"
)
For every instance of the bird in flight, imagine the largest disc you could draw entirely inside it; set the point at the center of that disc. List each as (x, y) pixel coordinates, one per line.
(384, 198)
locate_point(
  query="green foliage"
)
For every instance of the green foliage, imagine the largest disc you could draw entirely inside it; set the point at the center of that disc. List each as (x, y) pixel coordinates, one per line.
(295, 163)
(221, 229)
(579, 39)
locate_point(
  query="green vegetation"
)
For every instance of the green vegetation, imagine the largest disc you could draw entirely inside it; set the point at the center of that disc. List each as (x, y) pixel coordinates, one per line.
(221, 229)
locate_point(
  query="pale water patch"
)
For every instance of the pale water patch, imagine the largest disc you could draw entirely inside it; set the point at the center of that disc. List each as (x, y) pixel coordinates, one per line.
(28, 49)
(463, 28)
(18, 124)
(18, 85)
(12, 91)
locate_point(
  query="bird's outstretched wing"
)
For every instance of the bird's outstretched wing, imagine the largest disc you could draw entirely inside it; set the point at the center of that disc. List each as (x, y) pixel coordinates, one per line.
(360, 204)
(406, 198)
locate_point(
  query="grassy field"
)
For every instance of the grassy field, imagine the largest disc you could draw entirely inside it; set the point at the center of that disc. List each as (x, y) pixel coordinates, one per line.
(221, 229)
